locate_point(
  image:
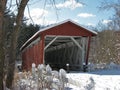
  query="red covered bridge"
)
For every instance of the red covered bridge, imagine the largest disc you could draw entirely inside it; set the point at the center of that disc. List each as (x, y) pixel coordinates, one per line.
(57, 45)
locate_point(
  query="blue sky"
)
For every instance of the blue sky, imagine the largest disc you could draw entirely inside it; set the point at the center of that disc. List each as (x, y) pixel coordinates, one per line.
(84, 12)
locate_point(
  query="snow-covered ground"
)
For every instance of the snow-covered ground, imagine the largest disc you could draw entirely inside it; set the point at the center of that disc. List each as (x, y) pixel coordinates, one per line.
(104, 77)
(108, 79)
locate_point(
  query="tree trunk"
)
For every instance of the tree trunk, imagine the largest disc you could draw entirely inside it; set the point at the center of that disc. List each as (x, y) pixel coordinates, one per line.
(15, 35)
(1, 54)
(2, 10)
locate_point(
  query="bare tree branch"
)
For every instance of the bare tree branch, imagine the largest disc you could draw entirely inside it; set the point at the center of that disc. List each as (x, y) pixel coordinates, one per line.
(2, 56)
(29, 14)
(15, 34)
(107, 5)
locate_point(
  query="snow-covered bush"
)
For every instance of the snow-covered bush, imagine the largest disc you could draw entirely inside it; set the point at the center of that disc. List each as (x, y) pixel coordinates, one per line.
(90, 85)
(62, 77)
(102, 66)
(33, 70)
(42, 78)
(114, 66)
(91, 67)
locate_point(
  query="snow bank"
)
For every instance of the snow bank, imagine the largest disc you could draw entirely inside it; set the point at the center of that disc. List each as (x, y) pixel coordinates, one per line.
(107, 77)
(97, 80)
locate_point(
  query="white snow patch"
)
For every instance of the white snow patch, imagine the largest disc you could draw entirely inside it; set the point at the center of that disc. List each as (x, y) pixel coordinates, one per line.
(102, 80)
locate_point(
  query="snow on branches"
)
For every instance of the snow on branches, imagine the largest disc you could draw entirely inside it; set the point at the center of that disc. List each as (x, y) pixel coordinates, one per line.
(42, 78)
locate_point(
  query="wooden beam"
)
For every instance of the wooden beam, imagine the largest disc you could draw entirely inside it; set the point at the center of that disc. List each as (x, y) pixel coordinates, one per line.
(60, 46)
(61, 36)
(83, 51)
(50, 43)
(41, 50)
(88, 48)
(76, 43)
(69, 44)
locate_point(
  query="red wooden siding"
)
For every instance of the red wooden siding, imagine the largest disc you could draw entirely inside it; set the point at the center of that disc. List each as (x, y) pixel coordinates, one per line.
(24, 61)
(67, 29)
(41, 50)
(30, 56)
(89, 39)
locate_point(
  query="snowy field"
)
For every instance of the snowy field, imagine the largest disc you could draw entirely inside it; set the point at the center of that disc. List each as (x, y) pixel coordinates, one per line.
(97, 80)
(104, 77)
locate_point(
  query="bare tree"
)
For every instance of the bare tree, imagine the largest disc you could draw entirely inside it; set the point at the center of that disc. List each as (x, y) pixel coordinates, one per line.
(2, 10)
(104, 50)
(20, 13)
(115, 5)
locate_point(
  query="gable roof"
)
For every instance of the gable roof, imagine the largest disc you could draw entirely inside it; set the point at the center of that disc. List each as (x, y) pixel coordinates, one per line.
(55, 25)
(68, 20)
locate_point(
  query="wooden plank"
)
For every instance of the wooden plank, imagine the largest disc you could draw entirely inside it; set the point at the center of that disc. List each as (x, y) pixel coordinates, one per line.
(41, 51)
(60, 46)
(88, 48)
(83, 51)
(50, 43)
(76, 42)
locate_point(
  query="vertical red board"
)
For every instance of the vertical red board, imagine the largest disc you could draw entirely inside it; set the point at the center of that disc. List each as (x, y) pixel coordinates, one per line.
(36, 54)
(33, 54)
(23, 60)
(88, 48)
(27, 58)
(41, 50)
(30, 57)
